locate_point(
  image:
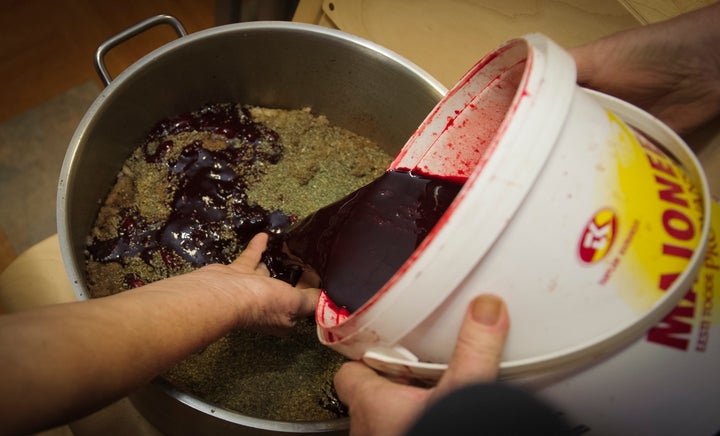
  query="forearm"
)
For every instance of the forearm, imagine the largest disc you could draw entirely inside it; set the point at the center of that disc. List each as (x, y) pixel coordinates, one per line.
(685, 38)
(67, 360)
(670, 68)
(60, 362)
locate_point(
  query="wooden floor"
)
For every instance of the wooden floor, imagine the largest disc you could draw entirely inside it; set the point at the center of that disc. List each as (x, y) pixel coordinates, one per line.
(47, 46)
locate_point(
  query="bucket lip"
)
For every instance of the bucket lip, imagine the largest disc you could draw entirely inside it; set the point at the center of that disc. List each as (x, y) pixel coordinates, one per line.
(507, 155)
(66, 178)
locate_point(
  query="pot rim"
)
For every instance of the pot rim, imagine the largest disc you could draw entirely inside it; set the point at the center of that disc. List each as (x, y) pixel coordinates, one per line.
(234, 417)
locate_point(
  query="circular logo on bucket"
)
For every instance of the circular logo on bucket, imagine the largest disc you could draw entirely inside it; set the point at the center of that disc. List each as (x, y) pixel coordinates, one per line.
(598, 236)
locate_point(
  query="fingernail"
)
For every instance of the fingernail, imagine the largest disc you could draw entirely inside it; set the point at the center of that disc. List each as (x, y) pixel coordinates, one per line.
(486, 309)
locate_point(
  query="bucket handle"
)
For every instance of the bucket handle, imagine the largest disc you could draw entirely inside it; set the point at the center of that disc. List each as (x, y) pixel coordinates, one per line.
(129, 33)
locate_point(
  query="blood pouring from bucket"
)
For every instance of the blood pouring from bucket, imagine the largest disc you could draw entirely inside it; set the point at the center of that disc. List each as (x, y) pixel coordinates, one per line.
(358, 243)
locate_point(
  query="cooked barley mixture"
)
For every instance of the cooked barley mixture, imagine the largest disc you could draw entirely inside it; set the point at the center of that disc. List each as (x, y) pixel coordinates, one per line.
(194, 192)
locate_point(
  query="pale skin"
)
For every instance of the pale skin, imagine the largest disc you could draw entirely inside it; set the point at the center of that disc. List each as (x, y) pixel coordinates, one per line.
(61, 362)
(671, 69)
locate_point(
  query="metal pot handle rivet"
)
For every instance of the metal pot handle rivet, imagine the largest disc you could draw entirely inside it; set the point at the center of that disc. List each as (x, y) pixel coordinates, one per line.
(129, 33)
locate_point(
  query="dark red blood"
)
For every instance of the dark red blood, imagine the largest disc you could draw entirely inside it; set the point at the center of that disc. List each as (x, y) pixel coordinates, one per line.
(222, 119)
(211, 218)
(132, 281)
(357, 244)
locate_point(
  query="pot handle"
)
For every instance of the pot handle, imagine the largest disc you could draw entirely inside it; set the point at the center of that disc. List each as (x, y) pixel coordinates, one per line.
(129, 33)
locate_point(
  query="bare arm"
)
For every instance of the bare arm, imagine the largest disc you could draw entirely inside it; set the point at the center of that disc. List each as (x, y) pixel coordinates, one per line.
(60, 362)
(671, 68)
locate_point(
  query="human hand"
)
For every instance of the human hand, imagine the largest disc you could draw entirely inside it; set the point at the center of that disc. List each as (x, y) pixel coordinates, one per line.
(263, 302)
(383, 407)
(671, 69)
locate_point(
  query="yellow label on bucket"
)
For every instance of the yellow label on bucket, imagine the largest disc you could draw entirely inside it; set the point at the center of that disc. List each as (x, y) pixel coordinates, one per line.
(688, 326)
(659, 217)
(709, 277)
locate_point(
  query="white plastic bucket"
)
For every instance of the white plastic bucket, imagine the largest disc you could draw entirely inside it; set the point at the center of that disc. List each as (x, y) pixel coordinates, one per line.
(554, 171)
(590, 229)
(665, 382)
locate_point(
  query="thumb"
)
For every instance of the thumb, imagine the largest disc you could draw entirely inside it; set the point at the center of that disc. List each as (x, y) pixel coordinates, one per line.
(249, 259)
(480, 343)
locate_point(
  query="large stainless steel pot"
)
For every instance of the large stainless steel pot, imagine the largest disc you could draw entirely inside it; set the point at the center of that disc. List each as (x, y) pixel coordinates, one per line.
(355, 83)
